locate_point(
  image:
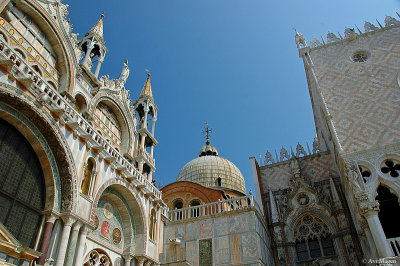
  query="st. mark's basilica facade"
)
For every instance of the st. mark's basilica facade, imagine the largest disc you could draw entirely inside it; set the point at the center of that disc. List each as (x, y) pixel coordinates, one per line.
(76, 160)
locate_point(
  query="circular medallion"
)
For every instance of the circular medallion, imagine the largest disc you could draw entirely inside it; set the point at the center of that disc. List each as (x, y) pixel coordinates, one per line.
(303, 199)
(117, 235)
(96, 222)
(108, 210)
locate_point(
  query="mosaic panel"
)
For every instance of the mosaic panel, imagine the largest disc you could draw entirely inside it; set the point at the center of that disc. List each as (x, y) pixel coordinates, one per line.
(109, 223)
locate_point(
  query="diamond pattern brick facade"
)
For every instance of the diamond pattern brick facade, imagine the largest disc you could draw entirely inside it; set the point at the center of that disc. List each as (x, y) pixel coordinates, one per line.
(362, 97)
(314, 167)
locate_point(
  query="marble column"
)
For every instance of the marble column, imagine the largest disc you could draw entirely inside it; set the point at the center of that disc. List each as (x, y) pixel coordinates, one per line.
(378, 234)
(143, 138)
(152, 150)
(99, 62)
(153, 126)
(69, 261)
(48, 228)
(62, 247)
(140, 166)
(81, 245)
(127, 259)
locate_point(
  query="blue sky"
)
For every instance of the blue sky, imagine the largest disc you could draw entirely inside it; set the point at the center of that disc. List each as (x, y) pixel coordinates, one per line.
(232, 63)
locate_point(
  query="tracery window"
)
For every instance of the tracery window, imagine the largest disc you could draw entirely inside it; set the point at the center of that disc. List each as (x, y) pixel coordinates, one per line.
(22, 190)
(97, 258)
(391, 167)
(312, 239)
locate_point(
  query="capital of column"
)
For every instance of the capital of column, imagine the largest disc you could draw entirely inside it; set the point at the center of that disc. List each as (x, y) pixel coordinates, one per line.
(51, 218)
(369, 208)
(68, 220)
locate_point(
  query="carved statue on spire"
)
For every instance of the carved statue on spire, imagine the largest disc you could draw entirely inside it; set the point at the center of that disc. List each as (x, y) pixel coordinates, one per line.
(124, 73)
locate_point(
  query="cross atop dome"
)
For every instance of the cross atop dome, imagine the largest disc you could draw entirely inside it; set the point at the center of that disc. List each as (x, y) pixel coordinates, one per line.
(207, 131)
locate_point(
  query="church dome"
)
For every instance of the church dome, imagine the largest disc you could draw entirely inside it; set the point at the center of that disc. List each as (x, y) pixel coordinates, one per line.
(210, 170)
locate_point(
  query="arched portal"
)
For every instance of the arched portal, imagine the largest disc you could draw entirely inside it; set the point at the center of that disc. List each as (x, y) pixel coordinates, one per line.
(22, 189)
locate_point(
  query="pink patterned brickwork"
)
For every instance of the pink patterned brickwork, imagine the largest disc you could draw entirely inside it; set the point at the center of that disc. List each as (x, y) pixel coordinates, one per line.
(363, 98)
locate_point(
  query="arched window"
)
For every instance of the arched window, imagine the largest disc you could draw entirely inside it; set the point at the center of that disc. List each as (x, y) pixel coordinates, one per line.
(219, 181)
(312, 239)
(388, 205)
(178, 204)
(22, 190)
(152, 224)
(195, 212)
(87, 176)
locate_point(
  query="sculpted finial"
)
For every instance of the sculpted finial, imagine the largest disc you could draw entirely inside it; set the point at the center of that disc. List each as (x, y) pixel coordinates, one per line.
(124, 73)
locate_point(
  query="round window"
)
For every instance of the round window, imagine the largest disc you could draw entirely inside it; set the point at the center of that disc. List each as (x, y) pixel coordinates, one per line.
(360, 56)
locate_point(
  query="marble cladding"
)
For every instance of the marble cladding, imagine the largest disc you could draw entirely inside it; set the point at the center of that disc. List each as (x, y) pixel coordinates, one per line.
(233, 239)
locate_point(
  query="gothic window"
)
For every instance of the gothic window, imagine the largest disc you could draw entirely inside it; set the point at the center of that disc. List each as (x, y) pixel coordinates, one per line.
(97, 258)
(391, 167)
(312, 239)
(388, 205)
(365, 173)
(152, 224)
(87, 176)
(22, 190)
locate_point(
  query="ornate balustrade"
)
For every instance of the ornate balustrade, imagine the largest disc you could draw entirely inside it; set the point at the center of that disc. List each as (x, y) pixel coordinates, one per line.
(21, 71)
(394, 243)
(214, 208)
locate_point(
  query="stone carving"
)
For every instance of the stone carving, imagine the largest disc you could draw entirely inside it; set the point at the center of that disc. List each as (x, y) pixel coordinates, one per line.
(303, 199)
(268, 158)
(331, 37)
(315, 43)
(349, 34)
(124, 73)
(368, 26)
(300, 150)
(117, 236)
(315, 146)
(389, 21)
(294, 167)
(353, 176)
(300, 40)
(284, 154)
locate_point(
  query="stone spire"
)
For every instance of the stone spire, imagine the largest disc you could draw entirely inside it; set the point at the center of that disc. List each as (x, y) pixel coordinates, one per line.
(97, 30)
(335, 195)
(146, 91)
(274, 210)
